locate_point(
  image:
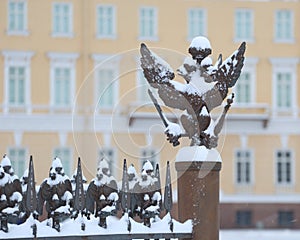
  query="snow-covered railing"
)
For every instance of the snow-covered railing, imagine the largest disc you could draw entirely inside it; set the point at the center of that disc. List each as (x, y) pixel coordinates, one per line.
(140, 209)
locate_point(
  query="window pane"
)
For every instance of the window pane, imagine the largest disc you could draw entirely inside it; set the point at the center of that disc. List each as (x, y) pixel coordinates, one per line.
(285, 218)
(106, 93)
(196, 23)
(243, 218)
(284, 25)
(62, 86)
(105, 20)
(147, 22)
(243, 166)
(62, 18)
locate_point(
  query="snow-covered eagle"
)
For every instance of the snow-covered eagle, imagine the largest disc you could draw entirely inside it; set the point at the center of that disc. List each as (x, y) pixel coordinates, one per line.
(206, 87)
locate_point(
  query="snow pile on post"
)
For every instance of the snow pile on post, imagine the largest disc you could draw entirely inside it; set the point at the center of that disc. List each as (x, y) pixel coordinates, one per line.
(198, 154)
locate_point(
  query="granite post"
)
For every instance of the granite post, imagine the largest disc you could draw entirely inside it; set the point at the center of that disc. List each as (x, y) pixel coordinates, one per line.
(198, 171)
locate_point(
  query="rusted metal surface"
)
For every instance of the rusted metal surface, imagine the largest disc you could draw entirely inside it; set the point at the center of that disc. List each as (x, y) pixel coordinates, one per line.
(198, 197)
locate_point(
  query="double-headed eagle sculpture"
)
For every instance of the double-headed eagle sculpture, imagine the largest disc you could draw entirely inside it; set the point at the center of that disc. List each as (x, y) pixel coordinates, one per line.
(205, 88)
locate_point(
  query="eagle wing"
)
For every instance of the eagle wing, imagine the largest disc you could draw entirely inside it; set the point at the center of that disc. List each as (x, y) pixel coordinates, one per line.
(160, 75)
(230, 70)
(226, 77)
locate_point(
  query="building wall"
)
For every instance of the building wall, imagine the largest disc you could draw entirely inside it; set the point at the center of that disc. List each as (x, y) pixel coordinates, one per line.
(128, 127)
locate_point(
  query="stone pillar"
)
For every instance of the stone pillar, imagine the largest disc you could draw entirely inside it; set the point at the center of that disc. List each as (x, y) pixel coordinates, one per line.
(198, 190)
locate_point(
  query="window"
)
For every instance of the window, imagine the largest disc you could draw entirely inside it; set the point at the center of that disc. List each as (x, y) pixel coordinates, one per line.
(284, 167)
(285, 218)
(244, 166)
(243, 218)
(17, 158)
(284, 85)
(284, 26)
(196, 23)
(109, 154)
(17, 80)
(106, 22)
(106, 93)
(62, 84)
(149, 154)
(62, 14)
(243, 25)
(17, 17)
(245, 86)
(62, 78)
(148, 23)
(65, 155)
(106, 81)
(284, 89)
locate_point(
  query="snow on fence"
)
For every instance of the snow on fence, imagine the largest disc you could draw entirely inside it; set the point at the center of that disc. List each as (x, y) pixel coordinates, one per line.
(79, 221)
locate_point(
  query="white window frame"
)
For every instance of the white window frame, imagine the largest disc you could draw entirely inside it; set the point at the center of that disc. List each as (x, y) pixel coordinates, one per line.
(249, 38)
(24, 31)
(18, 172)
(249, 67)
(284, 39)
(71, 161)
(109, 62)
(106, 35)
(17, 59)
(155, 24)
(284, 65)
(191, 33)
(252, 167)
(292, 168)
(111, 160)
(62, 60)
(70, 33)
(154, 157)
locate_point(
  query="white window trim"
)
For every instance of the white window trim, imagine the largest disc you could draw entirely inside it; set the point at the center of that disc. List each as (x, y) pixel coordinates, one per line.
(293, 167)
(249, 66)
(155, 37)
(252, 167)
(251, 39)
(67, 60)
(189, 38)
(18, 59)
(114, 35)
(107, 62)
(292, 40)
(25, 31)
(284, 65)
(64, 35)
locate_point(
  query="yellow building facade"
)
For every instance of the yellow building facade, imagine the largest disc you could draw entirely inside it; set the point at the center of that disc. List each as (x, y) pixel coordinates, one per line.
(71, 85)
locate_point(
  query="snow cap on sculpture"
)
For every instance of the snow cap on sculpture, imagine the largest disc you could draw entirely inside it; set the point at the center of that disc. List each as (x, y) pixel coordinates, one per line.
(131, 170)
(56, 163)
(104, 166)
(200, 48)
(5, 161)
(147, 167)
(57, 166)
